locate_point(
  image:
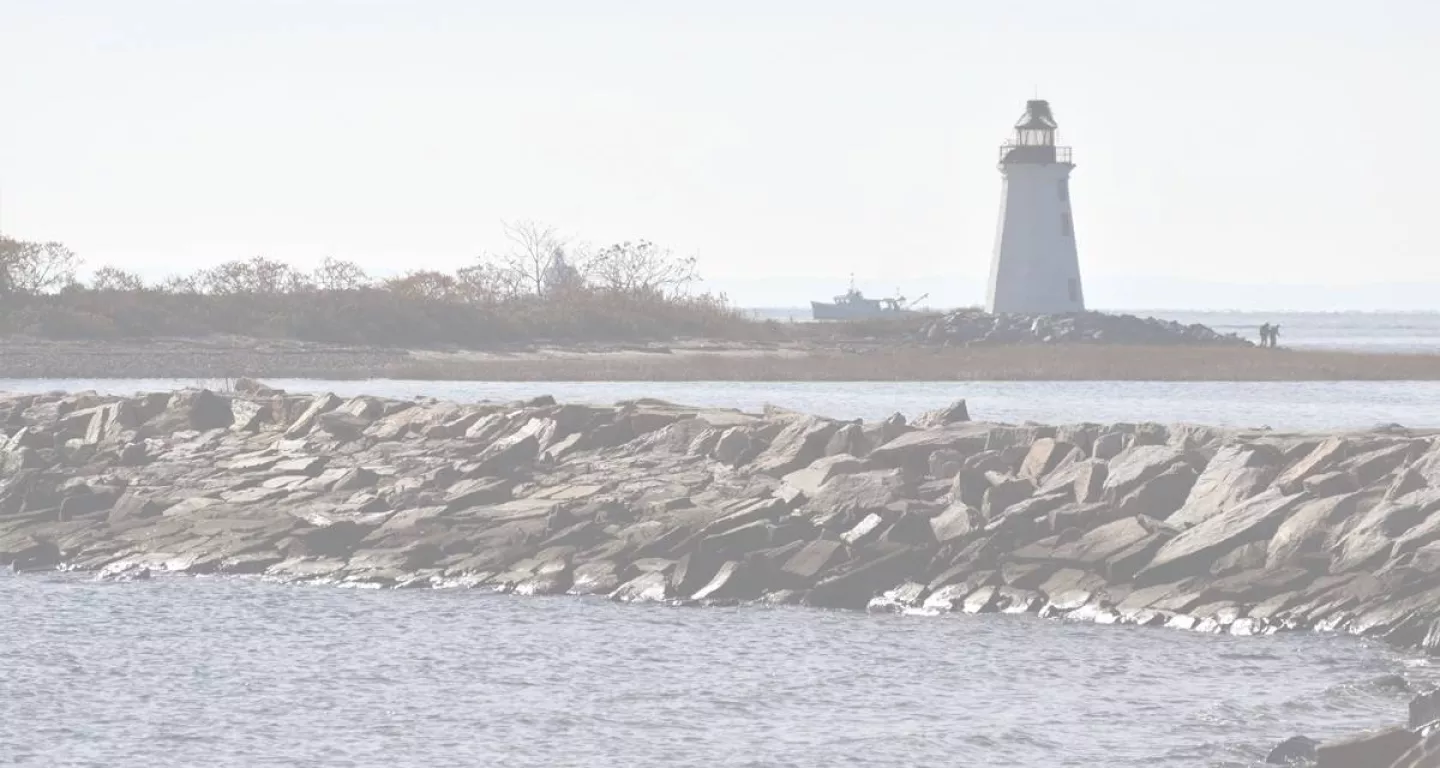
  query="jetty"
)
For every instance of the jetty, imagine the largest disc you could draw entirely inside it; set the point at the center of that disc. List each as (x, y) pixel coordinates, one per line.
(1244, 532)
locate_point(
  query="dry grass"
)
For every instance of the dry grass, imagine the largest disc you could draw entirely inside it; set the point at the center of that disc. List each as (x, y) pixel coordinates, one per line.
(918, 363)
(814, 360)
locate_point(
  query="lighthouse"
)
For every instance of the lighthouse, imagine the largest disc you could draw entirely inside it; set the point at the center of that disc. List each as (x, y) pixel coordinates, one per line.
(1035, 269)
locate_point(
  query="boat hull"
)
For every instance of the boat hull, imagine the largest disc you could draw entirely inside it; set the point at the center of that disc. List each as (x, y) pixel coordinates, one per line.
(821, 310)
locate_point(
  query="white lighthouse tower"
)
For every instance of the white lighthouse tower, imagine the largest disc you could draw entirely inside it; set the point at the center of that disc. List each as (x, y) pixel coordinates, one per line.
(1035, 269)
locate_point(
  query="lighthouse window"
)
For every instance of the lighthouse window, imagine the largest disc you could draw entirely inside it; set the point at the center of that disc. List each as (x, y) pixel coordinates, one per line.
(1067, 227)
(1064, 189)
(1074, 289)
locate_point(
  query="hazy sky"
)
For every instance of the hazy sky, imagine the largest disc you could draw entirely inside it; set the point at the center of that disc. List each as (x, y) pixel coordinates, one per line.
(1219, 145)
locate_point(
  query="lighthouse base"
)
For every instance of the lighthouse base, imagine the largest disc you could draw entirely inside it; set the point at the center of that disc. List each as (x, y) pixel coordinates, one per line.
(1035, 269)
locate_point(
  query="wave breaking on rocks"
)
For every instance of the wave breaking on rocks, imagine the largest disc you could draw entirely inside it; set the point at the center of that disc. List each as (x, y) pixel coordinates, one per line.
(1244, 532)
(1219, 530)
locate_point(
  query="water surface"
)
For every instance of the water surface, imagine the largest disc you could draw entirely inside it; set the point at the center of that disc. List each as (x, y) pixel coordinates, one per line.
(1320, 405)
(219, 672)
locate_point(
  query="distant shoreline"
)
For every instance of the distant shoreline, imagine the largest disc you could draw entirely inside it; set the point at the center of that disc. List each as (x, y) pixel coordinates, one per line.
(695, 360)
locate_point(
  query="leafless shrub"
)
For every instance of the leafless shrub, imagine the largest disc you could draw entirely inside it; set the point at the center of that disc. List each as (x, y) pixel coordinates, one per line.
(642, 267)
(181, 285)
(35, 268)
(482, 283)
(337, 275)
(116, 279)
(257, 275)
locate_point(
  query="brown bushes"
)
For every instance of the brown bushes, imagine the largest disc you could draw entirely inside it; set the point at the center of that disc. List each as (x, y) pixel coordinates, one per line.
(627, 292)
(372, 316)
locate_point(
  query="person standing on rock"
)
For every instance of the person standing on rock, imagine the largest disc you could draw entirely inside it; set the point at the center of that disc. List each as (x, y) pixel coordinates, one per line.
(1265, 335)
(1274, 335)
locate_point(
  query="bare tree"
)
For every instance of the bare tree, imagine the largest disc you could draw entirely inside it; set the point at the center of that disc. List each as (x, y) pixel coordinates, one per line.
(336, 275)
(642, 267)
(35, 268)
(116, 279)
(533, 248)
(9, 254)
(181, 284)
(257, 275)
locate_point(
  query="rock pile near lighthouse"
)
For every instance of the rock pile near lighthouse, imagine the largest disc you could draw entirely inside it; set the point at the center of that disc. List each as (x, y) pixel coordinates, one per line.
(975, 327)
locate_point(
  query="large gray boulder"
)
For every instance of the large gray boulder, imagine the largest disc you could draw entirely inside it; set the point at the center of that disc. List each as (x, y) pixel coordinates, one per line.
(648, 587)
(1372, 466)
(307, 420)
(846, 498)
(1379, 749)
(1428, 464)
(958, 521)
(810, 479)
(512, 452)
(1296, 750)
(191, 409)
(1161, 495)
(1099, 548)
(732, 581)
(1003, 493)
(474, 492)
(853, 587)
(1030, 515)
(1304, 539)
(1045, 456)
(1138, 465)
(1085, 479)
(802, 569)
(955, 413)
(594, 578)
(1193, 551)
(849, 439)
(1320, 459)
(1371, 538)
(912, 450)
(1234, 474)
(799, 444)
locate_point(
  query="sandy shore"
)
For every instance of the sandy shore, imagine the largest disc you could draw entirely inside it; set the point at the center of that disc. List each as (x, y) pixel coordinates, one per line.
(699, 361)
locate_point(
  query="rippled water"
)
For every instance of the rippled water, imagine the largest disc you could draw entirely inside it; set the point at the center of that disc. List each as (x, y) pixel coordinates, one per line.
(1281, 405)
(219, 672)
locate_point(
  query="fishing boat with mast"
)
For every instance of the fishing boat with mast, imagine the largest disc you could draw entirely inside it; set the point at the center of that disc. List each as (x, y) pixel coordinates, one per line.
(853, 305)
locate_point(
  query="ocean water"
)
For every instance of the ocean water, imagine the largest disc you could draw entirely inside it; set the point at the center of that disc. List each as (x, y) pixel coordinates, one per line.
(220, 672)
(1323, 405)
(180, 672)
(1354, 331)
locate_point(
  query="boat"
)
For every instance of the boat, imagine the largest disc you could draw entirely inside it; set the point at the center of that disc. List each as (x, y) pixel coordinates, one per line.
(853, 305)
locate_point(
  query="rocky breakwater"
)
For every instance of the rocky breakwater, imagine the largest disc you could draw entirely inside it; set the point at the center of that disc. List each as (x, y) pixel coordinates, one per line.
(974, 327)
(1187, 527)
(1181, 526)
(1240, 532)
